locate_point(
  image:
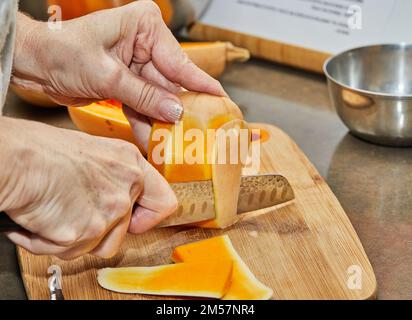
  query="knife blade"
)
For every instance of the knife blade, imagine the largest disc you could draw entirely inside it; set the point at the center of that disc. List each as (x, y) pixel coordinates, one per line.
(196, 200)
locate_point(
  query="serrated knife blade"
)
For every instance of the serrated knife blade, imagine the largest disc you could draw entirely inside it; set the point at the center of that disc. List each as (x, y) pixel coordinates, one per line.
(196, 200)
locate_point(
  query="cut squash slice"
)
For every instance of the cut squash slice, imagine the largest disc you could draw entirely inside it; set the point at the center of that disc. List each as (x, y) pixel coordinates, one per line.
(193, 279)
(244, 285)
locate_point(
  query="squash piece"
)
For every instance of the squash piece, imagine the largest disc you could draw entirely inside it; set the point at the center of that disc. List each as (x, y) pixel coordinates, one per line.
(244, 284)
(193, 279)
(213, 117)
(168, 158)
(37, 98)
(104, 118)
(202, 112)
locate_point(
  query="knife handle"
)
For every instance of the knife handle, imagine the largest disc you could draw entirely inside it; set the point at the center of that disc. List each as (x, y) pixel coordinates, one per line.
(8, 225)
(56, 295)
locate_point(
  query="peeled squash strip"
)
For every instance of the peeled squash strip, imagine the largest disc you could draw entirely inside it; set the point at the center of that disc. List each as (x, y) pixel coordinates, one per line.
(244, 284)
(226, 182)
(192, 279)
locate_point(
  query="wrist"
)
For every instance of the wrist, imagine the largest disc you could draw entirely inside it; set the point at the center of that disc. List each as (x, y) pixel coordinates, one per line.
(8, 163)
(30, 61)
(16, 158)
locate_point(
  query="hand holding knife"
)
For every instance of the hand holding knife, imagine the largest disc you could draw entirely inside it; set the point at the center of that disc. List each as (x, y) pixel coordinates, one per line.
(196, 202)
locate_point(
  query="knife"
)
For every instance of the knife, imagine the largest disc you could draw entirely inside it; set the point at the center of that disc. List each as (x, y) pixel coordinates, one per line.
(196, 200)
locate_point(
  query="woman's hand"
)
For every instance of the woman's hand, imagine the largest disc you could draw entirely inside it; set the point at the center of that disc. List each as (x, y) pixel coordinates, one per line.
(127, 53)
(74, 193)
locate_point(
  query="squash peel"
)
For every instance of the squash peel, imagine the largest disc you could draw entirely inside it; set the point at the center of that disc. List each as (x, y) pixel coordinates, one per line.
(193, 279)
(244, 285)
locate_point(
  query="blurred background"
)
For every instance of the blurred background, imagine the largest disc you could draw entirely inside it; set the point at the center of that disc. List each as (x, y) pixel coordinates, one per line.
(176, 13)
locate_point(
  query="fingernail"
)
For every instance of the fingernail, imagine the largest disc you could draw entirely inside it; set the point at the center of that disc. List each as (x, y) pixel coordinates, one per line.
(171, 110)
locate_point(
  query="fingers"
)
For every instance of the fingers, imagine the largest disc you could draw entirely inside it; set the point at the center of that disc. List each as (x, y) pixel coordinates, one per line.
(35, 244)
(112, 242)
(70, 101)
(169, 58)
(156, 202)
(144, 219)
(40, 246)
(105, 248)
(149, 72)
(146, 97)
(141, 128)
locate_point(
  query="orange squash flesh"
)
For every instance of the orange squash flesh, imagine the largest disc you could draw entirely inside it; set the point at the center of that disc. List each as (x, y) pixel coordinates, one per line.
(193, 279)
(244, 285)
(169, 166)
(104, 119)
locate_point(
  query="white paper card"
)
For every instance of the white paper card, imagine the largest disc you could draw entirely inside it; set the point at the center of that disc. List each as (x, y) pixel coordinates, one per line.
(323, 25)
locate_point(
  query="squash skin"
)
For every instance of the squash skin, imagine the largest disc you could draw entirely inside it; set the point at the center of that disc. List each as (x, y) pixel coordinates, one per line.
(36, 98)
(194, 279)
(213, 57)
(244, 284)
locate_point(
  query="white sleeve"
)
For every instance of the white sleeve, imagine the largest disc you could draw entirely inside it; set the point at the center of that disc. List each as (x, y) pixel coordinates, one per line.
(8, 10)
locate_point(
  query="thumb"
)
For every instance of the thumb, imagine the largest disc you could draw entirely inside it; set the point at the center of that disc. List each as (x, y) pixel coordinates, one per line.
(147, 98)
(156, 202)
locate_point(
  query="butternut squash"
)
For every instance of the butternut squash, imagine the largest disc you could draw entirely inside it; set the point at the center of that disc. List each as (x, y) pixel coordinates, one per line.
(244, 285)
(33, 97)
(193, 279)
(74, 9)
(213, 57)
(205, 113)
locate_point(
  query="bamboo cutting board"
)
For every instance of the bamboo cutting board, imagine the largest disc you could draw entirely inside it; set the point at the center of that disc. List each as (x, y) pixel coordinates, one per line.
(306, 250)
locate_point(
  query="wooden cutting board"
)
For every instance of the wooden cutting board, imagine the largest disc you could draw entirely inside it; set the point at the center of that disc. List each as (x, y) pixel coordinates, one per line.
(306, 250)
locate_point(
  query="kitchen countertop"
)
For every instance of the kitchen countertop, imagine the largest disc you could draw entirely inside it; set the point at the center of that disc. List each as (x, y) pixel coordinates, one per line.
(373, 183)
